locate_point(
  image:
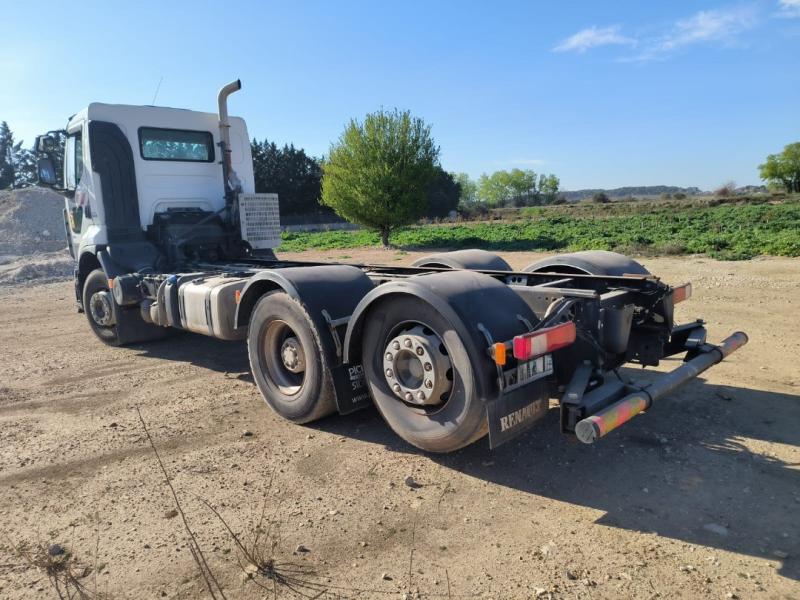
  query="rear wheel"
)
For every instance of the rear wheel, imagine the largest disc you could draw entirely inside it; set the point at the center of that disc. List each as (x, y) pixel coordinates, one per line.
(99, 307)
(420, 376)
(287, 360)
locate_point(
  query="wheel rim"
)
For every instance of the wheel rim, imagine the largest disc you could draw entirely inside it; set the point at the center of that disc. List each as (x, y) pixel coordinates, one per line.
(101, 309)
(416, 366)
(283, 357)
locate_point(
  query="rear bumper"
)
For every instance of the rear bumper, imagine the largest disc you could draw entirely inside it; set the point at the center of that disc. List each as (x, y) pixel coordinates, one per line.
(703, 357)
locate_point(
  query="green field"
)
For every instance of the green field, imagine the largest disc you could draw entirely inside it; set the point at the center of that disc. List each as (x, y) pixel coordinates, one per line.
(721, 229)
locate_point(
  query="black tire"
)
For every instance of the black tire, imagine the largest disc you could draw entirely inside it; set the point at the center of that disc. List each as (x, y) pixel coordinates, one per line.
(461, 419)
(96, 282)
(300, 399)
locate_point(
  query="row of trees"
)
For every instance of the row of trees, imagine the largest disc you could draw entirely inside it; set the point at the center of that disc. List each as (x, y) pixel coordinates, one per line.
(297, 179)
(516, 187)
(384, 173)
(17, 164)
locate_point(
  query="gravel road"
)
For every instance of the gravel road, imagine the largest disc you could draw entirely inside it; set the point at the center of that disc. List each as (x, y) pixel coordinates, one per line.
(699, 498)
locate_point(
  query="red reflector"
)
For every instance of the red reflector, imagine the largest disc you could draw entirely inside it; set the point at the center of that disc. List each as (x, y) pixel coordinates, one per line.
(681, 293)
(544, 341)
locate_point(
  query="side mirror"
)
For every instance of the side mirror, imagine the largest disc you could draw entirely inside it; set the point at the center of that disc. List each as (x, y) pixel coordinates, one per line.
(46, 170)
(46, 144)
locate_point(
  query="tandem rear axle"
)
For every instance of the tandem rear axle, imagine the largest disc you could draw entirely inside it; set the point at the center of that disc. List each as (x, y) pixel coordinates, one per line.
(448, 349)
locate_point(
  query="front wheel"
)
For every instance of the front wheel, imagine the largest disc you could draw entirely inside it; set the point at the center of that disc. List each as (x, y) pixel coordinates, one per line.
(99, 308)
(287, 360)
(420, 376)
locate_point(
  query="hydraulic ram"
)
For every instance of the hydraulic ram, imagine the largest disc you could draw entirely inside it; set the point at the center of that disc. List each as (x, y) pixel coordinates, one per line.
(598, 425)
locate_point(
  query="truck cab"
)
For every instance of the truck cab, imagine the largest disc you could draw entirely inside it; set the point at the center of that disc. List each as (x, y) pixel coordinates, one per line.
(150, 188)
(170, 167)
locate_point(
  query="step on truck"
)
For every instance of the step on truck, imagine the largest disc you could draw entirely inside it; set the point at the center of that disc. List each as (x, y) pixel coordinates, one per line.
(167, 232)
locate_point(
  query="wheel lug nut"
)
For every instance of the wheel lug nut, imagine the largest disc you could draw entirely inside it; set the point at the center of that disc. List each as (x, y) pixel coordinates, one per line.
(428, 366)
(389, 373)
(389, 356)
(409, 396)
(420, 351)
(420, 395)
(396, 345)
(396, 388)
(407, 343)
(428, 383)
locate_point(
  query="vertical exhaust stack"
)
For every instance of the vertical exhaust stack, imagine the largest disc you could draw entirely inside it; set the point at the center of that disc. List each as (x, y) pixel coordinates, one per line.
(232, 184)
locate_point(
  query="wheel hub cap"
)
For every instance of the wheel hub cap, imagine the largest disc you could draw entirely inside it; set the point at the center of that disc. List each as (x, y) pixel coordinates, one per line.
(416, 368)
(293, 356)
(101, 309)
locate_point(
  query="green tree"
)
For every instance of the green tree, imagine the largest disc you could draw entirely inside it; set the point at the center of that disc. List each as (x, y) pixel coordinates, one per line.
(443, 194)
(783, 169)
(548, 188)
(514, 187)
(468, 188)
(17, 164)
(7, 152)
(494, 189)
(379, 171)
(289, 172)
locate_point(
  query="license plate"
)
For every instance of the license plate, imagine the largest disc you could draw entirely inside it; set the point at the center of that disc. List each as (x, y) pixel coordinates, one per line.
(528, 371)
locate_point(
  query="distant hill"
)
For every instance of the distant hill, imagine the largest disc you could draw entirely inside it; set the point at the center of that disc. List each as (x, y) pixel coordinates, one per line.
(636, 191)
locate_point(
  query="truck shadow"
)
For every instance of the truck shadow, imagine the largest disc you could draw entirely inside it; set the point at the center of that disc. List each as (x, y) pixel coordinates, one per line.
(697, 468)
(209, 353)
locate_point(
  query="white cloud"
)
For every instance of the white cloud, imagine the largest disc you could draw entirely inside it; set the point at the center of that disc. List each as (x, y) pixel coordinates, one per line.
(721, 26)
(717, 26)
(789, 8)
(709, 26)
(592, 37)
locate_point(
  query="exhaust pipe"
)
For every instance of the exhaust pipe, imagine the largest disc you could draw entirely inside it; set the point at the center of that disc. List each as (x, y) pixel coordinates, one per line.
(592, 428)
(232, 184)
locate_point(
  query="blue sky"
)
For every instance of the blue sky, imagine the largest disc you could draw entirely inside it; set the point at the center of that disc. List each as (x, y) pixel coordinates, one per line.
(601, 94)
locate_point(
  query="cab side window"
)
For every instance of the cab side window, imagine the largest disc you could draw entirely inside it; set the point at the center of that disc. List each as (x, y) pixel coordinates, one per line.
(73, 161)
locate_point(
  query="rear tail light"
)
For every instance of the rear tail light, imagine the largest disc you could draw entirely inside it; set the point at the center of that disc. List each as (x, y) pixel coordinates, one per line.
(681, 293)
(544, 341)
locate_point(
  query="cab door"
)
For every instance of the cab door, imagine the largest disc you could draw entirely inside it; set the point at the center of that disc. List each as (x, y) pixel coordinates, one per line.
(78, 211)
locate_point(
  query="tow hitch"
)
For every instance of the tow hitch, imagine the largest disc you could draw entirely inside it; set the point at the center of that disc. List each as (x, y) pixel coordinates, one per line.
(594, 427)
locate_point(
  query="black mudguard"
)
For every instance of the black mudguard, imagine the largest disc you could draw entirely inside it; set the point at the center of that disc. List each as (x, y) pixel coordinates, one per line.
(328, 293)
(589, 262)
(474, 259)
(475, 305)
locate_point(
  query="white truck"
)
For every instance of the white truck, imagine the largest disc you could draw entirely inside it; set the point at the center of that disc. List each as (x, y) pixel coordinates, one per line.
(168, 232)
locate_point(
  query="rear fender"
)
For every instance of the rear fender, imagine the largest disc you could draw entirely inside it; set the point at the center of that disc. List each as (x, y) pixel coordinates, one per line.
(478, 260)
(589, 262)
(466, 299)
(334, 290)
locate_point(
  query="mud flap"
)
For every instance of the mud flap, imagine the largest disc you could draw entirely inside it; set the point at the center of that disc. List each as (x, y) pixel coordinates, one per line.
(515, 412)
(351, 389)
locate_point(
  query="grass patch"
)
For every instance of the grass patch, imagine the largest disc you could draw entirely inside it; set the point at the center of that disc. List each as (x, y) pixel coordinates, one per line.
(724, 230)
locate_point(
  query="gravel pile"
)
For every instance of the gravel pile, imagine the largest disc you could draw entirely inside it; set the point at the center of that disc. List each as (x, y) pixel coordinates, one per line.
(36, 268)
(31, 221)
(32, 241)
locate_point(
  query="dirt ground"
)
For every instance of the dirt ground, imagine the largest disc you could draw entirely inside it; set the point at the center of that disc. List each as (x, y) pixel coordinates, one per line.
(699, 498)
